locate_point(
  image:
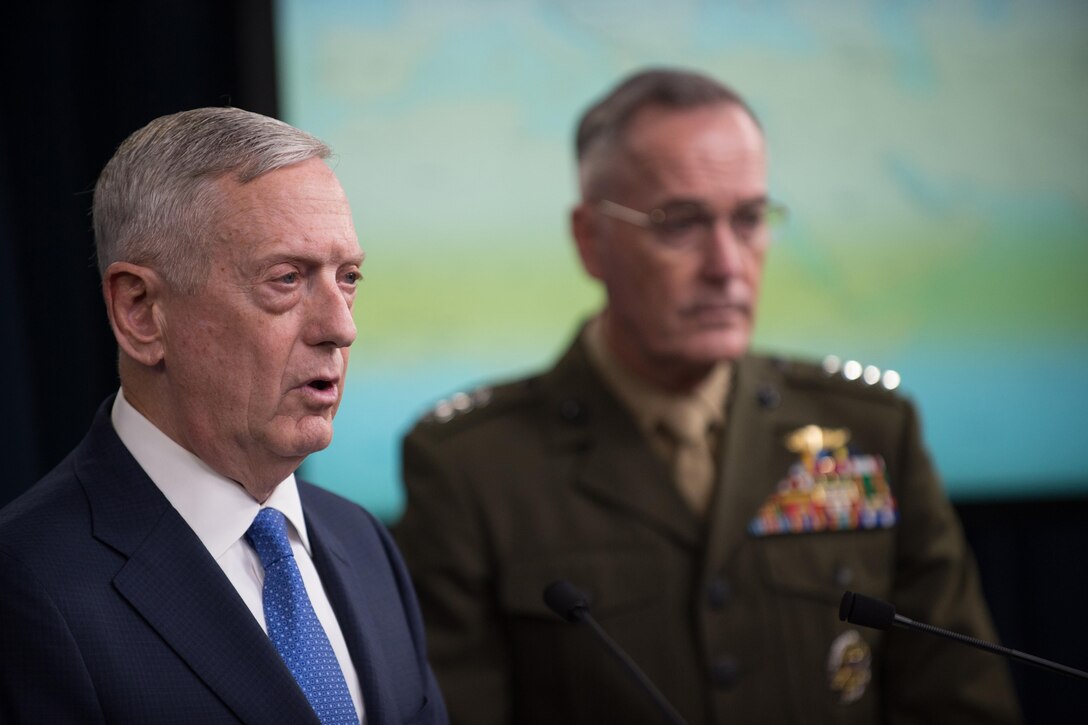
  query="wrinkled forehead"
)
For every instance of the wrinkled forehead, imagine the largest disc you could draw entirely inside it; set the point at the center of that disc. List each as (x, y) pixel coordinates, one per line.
(306, 189)
(303, 202)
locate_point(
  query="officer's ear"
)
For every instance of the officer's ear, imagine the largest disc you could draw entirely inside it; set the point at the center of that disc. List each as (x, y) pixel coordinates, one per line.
(133, 295)
(585, 227)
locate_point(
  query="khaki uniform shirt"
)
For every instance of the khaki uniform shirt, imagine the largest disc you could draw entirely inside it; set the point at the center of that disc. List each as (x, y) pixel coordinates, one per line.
(703, 408)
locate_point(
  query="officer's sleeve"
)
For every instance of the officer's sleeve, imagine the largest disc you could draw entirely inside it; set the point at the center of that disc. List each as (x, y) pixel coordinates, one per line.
(443, 540)
(928, 679)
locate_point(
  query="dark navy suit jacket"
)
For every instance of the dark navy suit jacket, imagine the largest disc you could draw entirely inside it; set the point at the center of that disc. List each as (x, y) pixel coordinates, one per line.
(112, 610)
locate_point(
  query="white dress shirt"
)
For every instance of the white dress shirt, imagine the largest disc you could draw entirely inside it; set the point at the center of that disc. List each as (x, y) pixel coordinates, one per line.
(220, 511)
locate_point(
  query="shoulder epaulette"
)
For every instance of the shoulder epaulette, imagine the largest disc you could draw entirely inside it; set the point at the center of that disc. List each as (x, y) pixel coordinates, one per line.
(475, 404)
(845, 375)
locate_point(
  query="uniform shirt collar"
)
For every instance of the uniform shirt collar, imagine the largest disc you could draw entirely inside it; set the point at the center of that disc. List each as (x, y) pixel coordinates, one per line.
(647, 402)
(217, 509)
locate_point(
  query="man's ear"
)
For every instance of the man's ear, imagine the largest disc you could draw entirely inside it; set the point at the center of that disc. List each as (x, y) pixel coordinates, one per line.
(585, 228)
(133, 299)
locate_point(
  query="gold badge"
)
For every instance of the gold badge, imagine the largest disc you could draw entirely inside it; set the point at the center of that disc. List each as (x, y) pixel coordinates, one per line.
(830, 487)
(811, 439)
(849, 666)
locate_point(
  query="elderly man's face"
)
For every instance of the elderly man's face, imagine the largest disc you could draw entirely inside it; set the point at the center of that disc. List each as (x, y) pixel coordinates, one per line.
(256, 359)
(674, 312)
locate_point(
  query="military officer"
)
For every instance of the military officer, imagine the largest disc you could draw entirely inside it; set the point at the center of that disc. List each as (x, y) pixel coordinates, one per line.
(713, 503)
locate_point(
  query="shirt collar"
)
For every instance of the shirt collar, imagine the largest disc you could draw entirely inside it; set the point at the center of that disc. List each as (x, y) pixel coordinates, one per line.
(217, 509)
(647, 402)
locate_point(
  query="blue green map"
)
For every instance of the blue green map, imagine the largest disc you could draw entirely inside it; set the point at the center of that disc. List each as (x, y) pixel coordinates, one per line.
(934, 158)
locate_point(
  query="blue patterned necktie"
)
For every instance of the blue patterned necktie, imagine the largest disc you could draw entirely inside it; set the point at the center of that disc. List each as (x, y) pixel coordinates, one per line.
(293, 625)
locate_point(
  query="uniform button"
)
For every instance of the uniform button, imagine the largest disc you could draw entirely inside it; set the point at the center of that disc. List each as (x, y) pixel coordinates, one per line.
(725, 671)
(768, 397)
(717, 592)
(571, 411)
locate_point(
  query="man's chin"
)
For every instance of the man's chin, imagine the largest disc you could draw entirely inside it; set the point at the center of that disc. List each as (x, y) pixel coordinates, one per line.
(718, 346)
(310, 435)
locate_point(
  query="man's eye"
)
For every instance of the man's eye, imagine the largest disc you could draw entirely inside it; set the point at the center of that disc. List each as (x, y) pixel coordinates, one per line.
(353, 278)
(748, 219)
(683, 222)
(289, 278)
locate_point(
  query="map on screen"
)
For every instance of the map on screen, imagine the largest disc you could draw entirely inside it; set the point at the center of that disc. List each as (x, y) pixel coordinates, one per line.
(933, 156)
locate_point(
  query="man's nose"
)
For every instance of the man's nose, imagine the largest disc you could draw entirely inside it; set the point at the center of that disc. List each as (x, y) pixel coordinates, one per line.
(331, 320)
(723, 251)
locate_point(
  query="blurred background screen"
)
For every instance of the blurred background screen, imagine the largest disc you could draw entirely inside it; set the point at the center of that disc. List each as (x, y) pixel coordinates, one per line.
(934, 158)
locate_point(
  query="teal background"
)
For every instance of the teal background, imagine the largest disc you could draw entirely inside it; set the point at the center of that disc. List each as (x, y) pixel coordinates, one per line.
(933, 156)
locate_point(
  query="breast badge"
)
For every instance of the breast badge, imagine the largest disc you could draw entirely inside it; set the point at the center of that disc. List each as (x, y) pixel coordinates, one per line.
(849, 666)
(830, 487)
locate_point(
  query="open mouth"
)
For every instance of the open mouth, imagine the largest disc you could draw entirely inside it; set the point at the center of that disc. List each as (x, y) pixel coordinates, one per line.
(320, 384)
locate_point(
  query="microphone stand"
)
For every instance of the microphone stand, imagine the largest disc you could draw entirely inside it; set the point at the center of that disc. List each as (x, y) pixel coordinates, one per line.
(869, 612)
(670, 713)
(906, 623)
(573, 606)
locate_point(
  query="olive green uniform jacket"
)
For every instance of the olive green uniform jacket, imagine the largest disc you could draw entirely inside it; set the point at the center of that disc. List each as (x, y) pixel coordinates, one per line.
(549, 478)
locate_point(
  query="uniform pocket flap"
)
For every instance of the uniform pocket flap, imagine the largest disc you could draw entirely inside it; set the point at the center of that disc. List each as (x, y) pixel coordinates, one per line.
(825, 565)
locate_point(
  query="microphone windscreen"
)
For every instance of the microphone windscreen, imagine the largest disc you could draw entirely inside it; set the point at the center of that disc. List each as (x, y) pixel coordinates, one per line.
(566, 601)
(866, 611)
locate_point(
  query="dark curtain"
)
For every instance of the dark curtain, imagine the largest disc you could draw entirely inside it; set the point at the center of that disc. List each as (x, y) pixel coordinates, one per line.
(1032, 558)
(81, 76)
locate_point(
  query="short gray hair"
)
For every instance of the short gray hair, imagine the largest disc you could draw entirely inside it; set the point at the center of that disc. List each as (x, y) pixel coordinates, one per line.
(155, 202)
(607, 119)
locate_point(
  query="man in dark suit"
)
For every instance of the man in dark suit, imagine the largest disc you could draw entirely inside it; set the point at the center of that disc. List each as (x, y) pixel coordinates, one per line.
(171, 569)
(713, 503)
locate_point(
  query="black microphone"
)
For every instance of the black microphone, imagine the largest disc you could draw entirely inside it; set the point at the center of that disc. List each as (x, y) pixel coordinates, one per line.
(869, 612)
(572, 605)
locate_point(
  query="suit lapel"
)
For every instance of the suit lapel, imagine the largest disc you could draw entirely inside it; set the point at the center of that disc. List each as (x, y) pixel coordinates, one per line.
(635, 482)
(616, 466)
(181, 592)
(353, 606)
(746, 475)
(176, 586)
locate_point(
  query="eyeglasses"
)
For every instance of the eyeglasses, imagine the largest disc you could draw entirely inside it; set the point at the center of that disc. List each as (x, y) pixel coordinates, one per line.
(686, 225)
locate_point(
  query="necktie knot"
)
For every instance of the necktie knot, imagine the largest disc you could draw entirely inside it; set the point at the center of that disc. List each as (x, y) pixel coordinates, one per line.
(693, 465)
(268, 536)
(686, 424)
